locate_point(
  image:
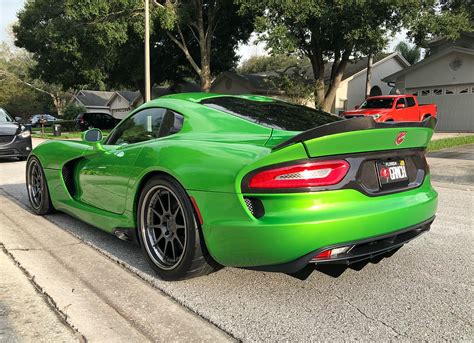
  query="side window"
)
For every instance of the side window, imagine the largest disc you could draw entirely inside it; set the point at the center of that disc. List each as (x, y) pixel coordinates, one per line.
(143, 126)
(172, 123)
(400, 101)
(410, 102)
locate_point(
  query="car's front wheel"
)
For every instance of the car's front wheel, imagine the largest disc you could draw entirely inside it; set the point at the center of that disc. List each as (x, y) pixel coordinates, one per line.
(169, 233)
(37, 187)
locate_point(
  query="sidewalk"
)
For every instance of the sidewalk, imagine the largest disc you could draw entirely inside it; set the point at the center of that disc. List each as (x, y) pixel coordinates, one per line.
(25, 314)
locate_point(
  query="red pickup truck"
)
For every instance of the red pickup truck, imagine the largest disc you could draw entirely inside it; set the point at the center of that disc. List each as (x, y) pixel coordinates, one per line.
(393, 108)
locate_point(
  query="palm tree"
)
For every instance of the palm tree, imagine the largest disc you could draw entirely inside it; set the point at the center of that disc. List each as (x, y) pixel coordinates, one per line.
(410, 53)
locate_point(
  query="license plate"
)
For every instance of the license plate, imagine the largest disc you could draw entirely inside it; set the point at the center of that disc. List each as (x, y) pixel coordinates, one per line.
(392, 172)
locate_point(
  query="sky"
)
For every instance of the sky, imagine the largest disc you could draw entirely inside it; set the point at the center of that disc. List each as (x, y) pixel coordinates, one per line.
(9, 9)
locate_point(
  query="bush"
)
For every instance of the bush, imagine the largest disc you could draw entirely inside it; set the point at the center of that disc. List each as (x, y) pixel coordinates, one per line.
(67, 125)
(72, 110)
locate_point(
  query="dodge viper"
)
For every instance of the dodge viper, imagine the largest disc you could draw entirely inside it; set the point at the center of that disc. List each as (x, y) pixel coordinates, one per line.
(202, 180)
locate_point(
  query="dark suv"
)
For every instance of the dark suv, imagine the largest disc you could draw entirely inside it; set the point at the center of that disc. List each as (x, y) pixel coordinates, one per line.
(15, 139)
(101, 121)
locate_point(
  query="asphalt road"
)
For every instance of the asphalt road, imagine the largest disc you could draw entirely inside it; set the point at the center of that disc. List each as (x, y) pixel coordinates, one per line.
(423, 292)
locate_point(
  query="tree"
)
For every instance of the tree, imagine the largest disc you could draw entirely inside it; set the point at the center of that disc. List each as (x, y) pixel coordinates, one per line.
(207, 24)
(99, 45)
(328, 30)
(410, 53)
(258, 64)
(295, 84)
(20, 93)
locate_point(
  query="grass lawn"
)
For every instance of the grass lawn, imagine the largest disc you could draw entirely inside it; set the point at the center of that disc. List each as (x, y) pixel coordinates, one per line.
(64, 135)
(446, 143)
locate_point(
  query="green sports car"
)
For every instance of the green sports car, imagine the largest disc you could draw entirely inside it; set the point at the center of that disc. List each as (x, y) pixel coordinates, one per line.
(201, 180)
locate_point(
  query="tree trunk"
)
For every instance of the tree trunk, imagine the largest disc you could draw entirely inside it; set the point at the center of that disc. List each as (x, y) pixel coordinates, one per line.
(368, 78)
(334, 83)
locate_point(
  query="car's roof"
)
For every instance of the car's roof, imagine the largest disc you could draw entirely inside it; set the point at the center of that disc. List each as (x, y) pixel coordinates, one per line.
(199, 96)
(389, 96)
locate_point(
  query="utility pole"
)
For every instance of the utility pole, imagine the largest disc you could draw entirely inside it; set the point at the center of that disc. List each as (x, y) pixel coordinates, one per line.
(147, 51)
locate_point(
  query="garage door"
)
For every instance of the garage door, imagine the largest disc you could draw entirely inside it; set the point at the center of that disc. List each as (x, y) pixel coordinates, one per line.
(455, 105)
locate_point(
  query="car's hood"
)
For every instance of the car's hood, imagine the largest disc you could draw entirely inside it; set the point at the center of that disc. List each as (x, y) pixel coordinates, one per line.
(367, 111)
(8, 129)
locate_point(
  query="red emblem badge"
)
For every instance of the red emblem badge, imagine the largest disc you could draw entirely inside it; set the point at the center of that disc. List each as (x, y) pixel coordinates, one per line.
(384, 173)
(400, 138)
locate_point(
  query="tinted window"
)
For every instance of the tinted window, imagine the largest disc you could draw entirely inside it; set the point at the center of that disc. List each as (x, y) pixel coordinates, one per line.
(172, 123)
(410, 102)
(377, 103)
(400, 102)
(272, 113)
(4, 116)
(143, 126)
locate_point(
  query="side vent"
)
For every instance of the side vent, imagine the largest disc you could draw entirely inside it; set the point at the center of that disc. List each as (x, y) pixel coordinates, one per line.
(68, 177)
(255, 207)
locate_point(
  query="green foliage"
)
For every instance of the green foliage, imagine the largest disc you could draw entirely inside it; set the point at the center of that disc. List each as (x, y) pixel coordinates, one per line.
(72, 110)
(337, 30)
(17, 98)
(296, 85)
(410, 53)
(258, 64)
(452, 142)
(67, 125)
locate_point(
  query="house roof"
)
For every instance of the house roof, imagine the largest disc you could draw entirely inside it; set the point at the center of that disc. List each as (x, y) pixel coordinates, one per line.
(352, 68)
(260, 83)
(93, 98)
(130, 96)
(256, 83)
(427, 60)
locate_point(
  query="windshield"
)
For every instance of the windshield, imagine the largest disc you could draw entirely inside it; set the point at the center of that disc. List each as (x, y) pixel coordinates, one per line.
(377, 103)
(4, 116)
(271, 113)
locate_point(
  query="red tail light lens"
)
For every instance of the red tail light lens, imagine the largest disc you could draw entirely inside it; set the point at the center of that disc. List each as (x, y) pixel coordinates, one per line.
(312, 174)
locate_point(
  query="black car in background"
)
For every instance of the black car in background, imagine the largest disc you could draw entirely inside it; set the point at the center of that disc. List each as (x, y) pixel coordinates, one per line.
(15, 138)
(88, 120)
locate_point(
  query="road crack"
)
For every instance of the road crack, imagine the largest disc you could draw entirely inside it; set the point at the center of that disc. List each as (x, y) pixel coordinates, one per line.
(395, 331)
(48, 299)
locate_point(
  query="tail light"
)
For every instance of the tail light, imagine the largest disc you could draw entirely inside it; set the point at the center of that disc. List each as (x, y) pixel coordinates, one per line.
(311, 174)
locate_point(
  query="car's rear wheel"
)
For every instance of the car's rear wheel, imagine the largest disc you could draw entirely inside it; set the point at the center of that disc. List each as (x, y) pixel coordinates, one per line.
(37, 187)
(169, 233)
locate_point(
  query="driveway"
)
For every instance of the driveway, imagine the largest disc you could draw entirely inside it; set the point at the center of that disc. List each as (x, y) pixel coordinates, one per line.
(454, 165)
(423, 292)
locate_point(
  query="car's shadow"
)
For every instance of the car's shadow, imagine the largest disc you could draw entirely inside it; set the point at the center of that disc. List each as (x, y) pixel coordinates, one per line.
(130, 253)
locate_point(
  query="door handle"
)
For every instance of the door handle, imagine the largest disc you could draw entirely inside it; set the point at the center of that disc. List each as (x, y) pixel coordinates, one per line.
(119, 153)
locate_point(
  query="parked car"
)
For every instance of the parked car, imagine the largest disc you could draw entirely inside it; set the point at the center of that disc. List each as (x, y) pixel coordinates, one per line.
(42, 119)
(393, 108)
(91, 120)
(15, 139)
(203, 180)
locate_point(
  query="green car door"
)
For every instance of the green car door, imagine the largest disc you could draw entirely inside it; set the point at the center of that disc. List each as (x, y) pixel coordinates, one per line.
(104, 176)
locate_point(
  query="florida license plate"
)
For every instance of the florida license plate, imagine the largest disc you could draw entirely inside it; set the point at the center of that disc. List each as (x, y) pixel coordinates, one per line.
(392, 172)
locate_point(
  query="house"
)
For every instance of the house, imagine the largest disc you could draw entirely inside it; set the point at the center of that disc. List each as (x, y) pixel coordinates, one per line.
(122, 102)
(233, 83)
(446, 78)
(351, 91)
(93, 101)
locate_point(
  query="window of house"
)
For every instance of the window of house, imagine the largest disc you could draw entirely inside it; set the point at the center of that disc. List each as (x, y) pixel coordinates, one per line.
(438, 91)
(463, 90)
(449, 91)
(425, 92)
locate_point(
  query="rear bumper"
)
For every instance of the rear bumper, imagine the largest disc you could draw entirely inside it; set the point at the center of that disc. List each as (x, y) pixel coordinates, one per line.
(19, 147)
(359, 251)
(297, 226)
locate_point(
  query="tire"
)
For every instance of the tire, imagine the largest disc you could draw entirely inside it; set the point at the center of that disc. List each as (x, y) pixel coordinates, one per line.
(37, 188)
(169, 234)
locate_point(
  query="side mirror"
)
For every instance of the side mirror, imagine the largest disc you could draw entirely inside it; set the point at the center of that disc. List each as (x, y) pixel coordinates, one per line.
(356, 107)
(92, 135)
(400, 106)
(19, 119)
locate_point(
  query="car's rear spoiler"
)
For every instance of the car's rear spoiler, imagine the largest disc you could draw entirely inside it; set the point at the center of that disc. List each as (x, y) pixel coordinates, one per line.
(355, 124)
